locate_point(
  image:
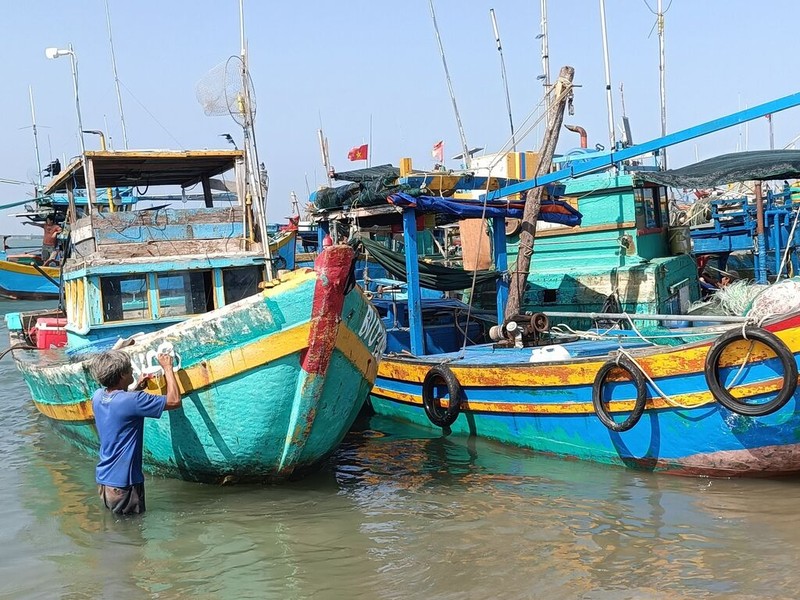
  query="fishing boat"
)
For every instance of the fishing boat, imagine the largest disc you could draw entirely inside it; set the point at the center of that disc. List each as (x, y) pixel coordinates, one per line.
(715, 400)
(23, 275)
(273, 368)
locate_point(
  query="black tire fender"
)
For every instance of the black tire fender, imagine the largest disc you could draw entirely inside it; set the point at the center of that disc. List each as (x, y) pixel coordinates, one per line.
(771, 341)
(625, 364)
(441, 417)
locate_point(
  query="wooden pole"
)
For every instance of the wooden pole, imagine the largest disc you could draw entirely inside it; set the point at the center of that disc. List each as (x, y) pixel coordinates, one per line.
(534, 199)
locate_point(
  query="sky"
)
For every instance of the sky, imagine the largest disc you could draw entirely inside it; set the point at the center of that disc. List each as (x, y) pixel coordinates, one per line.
(343, 65)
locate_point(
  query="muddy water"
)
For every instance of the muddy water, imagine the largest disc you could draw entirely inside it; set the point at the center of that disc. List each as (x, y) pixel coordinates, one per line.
(397, 513)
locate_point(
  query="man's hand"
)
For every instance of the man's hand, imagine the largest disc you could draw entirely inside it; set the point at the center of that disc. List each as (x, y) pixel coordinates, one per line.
(142, 383)
(166, 362)
(173, 395)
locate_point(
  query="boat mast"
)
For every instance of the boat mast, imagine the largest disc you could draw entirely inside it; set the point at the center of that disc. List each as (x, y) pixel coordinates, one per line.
(36, 143)
(503, 76)
(323, 148)
(545, 76)
(662, 81)
(467, 156)
(519, 277)
(116, 78)
(257, 174)
(609, 100)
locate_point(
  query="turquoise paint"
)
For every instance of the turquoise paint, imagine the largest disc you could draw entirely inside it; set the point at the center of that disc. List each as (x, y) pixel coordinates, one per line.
(576, 270)
(172, 264)
(200, 231)
(245, 427)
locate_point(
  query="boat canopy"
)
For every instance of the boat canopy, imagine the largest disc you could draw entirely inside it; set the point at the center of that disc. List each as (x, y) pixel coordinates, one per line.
(144, 168)
(368, 174)
(758, 165)
(431, 275)
(552, 211)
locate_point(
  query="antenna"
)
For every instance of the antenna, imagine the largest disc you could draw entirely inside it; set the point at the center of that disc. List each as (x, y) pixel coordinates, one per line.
(609, 100)
(662, 82)
(257, 171)
(35, 141)
(323, 148)
(467, 157)
(503, 75)
(116, 78)
(545, 64)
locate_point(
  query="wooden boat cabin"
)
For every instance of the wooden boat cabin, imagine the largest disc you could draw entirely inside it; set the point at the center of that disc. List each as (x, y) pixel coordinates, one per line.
(140, 270)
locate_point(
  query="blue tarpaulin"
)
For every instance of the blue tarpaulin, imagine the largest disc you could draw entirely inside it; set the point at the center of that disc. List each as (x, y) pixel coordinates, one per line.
(552, 211)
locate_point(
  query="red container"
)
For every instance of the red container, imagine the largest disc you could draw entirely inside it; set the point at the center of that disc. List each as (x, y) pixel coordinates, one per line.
(51, 332)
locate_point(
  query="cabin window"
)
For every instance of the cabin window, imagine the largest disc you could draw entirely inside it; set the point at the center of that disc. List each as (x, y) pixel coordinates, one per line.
(549, 296)
(125, 298)
(648, 208)
(241, 282)
(185, 293)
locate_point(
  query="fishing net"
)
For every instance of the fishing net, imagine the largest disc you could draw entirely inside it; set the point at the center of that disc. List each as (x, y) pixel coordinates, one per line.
(221, 91)
(777, 299)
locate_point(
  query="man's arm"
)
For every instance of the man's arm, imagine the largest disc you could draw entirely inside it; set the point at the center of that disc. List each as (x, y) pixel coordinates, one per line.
(174, 399)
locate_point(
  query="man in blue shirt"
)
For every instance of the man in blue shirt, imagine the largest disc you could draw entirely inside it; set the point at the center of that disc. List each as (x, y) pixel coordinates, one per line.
(119, 416)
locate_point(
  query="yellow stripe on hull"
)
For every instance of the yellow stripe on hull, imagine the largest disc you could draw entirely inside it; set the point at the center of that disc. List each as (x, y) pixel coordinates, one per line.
(233, 363)
(688, 400)
(13, 267)
(656, 363)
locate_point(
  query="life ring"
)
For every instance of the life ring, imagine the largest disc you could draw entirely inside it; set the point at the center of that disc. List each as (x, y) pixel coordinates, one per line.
(737, 405)
(625, 364)
(441, 417)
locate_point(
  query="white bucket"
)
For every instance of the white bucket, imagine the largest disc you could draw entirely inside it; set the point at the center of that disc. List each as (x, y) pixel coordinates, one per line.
(552, 353)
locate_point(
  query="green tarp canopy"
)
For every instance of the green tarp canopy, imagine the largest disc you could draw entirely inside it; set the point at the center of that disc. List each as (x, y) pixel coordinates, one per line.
(431, 276)
(759, 165)
(369, 187)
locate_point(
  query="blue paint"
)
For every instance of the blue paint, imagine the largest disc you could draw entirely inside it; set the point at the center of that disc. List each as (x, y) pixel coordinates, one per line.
(414, 298)
(501, 263)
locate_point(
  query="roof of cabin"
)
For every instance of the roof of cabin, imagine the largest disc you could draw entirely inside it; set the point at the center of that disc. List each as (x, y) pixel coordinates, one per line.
(146, 168)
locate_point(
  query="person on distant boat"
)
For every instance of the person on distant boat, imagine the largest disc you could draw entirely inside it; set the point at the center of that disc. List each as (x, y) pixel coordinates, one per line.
(708, 284)
(119, 417)
(50, 231)
(56, 258)
(728, 277)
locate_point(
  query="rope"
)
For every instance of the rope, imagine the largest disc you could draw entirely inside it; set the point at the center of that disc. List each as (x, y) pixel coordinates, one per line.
(788, 245)
(621, 351)
(19, 346)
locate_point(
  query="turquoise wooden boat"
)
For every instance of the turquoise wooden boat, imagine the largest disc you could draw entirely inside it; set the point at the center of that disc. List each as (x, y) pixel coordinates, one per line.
(273, 371)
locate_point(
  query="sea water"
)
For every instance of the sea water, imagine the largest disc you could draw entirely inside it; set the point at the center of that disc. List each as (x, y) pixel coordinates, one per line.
(397, 512)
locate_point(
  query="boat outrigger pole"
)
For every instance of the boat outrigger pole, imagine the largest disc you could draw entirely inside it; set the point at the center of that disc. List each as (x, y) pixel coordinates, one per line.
(609, 159)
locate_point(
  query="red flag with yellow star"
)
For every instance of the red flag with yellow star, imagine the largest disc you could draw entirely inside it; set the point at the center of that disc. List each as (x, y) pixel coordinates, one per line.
(358, 153)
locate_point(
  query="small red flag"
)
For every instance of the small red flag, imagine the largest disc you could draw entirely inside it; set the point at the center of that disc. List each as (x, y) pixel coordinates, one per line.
(358, 153)
(438, 151)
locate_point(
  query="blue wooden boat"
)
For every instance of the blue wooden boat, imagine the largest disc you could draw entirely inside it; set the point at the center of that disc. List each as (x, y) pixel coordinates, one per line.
(714, 401)
(273, 370)
(28, 281)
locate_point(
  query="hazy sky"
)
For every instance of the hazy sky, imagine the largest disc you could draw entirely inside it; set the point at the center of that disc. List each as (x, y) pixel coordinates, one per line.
(340, 63)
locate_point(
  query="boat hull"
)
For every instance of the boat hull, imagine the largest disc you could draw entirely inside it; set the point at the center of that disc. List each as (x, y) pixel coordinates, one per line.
(548, 407)
(270, 384)
(23, 282)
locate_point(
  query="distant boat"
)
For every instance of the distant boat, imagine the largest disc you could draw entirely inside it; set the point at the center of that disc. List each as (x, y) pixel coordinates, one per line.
(273, 372)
